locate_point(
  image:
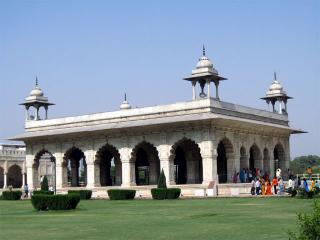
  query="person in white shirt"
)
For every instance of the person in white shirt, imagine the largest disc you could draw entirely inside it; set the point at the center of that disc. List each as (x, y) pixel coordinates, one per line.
(258, 186)
(291, 183)
(253, 187)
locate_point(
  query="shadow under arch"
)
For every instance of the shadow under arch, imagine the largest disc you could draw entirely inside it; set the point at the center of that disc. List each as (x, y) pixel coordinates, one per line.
(108, 159)
(187, 161)
(74, 167)
(279, 158)
(243, 158)
(1, 177)
(14, 176)
(266, 161)
(255, 159)
(224, 166)
(147, 163)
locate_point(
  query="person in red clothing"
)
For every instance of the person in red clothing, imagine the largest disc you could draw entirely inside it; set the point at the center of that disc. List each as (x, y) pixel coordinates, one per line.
(268, 192)
(275, 184)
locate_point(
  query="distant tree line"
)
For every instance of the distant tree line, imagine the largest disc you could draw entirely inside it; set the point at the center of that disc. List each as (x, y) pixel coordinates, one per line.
(300, 164)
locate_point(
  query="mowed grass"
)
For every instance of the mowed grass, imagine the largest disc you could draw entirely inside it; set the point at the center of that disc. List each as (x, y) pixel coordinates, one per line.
(219, 218)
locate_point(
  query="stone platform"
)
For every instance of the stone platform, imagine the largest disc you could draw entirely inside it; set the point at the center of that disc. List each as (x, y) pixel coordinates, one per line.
(187, 191)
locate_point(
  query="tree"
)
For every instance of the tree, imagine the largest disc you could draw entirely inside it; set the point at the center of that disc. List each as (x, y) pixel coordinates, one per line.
(162, 180)
(308, 225)
(44, 184)
(300, 164)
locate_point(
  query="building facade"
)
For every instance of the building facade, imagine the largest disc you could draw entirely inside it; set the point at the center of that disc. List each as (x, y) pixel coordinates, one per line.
(201, 141)
(12, 165)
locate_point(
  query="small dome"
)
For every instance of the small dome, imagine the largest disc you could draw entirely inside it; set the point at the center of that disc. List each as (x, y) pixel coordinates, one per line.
(275, 86)
(125, 104)
(37, 92)
(204, 62)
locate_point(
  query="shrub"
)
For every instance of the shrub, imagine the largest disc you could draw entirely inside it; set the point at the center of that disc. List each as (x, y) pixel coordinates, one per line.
(44, 184)
(57, 202)
(173, 193)
(42, 192)
(308, 224)
(121, 194)
(11, 195)
(84, 194)
(162, 180)
(302, 193)
(159, 193)
(165, 193)
(42, 202)
(39, 202)
(73, 200)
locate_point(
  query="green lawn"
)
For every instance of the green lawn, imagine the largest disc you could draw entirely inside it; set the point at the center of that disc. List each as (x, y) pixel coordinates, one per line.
(220, 218)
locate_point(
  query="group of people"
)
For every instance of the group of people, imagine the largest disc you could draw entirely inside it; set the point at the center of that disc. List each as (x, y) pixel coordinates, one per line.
(313, 185)
(263, 186)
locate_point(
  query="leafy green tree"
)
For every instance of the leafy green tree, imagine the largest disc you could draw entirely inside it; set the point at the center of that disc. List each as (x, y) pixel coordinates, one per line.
(308, 225)
(300, 164)
(44, 184)
(162, 180)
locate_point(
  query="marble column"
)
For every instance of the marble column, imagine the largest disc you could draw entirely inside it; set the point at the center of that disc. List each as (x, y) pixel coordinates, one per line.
(5, 180)
(23, 179)
(93, 175)
(193, 90)
(61, 171)
(128, 168)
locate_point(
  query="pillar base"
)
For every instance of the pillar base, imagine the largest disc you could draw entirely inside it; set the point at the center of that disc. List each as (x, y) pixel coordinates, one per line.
(124, 185)
(93, 185)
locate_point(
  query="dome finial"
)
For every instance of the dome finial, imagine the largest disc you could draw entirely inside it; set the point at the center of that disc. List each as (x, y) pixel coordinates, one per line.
(125, 104)
(203, 50)
(275, 76)
(36, 81)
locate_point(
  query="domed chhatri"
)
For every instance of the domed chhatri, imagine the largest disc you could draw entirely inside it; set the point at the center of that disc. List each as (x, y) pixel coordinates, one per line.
(36, 99)
(204, 74)
(275, 94)
(204, 65)
(36, 92)
(125, 104)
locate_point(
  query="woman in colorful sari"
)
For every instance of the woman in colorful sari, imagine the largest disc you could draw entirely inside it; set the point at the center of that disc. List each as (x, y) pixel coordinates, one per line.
(263, 186)
(268, 192)
(305, 185)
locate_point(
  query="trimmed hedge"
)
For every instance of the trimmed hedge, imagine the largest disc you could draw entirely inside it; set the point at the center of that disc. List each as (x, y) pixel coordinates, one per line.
(43, 202)
(121, 194)
(11, 195)
(42, 192)
(159, 193)
(173, 193)
(165, 193)
(84, 194)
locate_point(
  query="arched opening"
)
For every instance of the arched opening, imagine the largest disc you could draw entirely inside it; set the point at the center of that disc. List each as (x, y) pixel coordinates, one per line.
(108, 159)
(224, 169)
(147, 163)
(74, 161)
(1, 177)
(243, 158)
(255, 159)
(14, 176)
(279, 158)
(187, 161)
(266, 161)
(45, 165)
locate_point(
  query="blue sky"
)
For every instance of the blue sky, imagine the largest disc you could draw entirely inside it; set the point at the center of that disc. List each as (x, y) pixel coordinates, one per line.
(86, 54)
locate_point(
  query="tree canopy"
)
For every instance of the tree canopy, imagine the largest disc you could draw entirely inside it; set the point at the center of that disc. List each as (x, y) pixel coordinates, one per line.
(300, 164)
